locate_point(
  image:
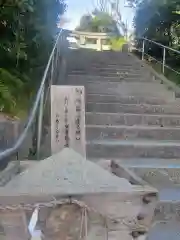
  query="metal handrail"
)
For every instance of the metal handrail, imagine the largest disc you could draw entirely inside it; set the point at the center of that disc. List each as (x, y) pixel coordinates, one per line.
(10, 151)
(165, 48)
(161, 45)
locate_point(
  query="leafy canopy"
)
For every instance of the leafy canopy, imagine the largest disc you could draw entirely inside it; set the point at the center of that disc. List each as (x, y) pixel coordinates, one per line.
(27, 31)
(98, 22)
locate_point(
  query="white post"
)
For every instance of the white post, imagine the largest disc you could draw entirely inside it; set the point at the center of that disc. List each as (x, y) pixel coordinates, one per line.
(164, 60)
(143, 47)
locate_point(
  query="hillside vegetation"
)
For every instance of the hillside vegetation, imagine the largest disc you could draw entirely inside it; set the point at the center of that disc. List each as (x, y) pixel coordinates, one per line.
(27, 32)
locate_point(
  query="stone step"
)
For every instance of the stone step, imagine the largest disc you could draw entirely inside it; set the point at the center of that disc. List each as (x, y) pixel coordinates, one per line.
(81, 79)
(169, 196)
(126, 89)
(95, 63)
(95, 132)
(93, 75)
(132, 108)
(164, 231)
(118, 65)
(97, 98)
(130, 119)
(95, 70)
(160, 179)
(172, 166)
(114, 61)
(133, 149)
(109, 69)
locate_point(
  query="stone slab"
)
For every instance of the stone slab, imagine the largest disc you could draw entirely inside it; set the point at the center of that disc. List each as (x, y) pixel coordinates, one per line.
(126, 89)
(155, 177)
(133, 108)
(77, 77)
(68, 119)
(172, 166)
(107, 98)
(132, 119)
(95, 132)
(126, 173)
(134, 148)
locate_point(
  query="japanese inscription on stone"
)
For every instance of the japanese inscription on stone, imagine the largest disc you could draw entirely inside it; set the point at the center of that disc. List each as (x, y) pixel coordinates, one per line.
(57, 128)
(66, 122)
(78, 114)
(68, 119)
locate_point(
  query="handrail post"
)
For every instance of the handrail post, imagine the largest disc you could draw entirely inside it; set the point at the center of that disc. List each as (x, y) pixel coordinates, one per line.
(40, 121)
(164, 60)
(143, 47)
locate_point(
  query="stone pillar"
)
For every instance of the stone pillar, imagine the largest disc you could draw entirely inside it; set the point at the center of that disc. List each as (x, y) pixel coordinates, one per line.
(82, 39)
(99, 44)
(68, 119)
(14, 224)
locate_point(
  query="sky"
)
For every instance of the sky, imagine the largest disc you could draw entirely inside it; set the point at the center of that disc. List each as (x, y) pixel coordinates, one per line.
(77, 8)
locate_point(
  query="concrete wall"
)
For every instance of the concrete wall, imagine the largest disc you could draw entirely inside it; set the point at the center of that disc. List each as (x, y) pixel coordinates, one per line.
(8, 133)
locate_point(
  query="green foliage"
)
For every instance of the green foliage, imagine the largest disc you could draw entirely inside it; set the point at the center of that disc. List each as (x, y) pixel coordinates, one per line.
(117, 43)
(159, 20)
(10, 88)
(27, 31)
(156, 19)
(98, 22)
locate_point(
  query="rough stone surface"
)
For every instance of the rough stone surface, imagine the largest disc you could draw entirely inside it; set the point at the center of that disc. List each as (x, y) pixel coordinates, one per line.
(133, 108)
(95, 132)
(134, 148)
(66, 173)
(125, 89)
(103, 98)
(64, 222)
(131, 119)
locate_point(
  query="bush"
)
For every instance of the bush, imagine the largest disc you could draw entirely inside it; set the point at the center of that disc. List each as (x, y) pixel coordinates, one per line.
(117, 43)
(10, 90)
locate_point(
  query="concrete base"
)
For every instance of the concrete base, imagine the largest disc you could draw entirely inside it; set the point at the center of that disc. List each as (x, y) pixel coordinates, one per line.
(126, 203)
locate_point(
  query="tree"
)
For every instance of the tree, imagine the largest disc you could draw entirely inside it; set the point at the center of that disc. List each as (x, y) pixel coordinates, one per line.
(98, 22)
(159, 20)
(27, 31)
(156, 19)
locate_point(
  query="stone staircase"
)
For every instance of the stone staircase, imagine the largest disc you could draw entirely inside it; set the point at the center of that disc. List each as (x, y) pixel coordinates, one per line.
(126, 117)
(132, 131)
(133, 119)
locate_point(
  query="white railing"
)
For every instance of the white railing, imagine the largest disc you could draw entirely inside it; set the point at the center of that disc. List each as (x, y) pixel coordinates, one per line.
(164, 54)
